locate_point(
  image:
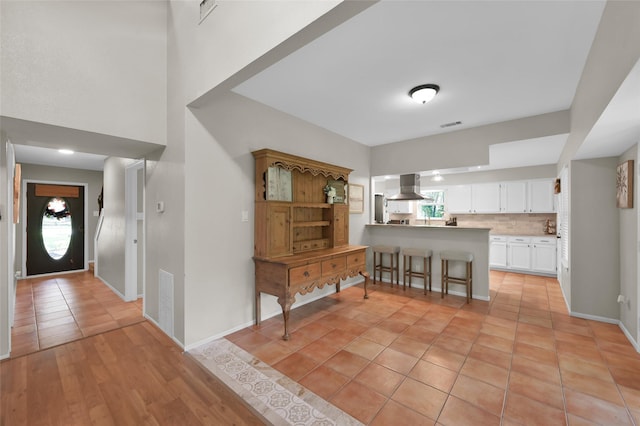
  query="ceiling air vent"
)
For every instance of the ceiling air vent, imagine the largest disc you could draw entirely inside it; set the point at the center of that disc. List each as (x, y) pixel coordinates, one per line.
(206, 6)
(453, 123)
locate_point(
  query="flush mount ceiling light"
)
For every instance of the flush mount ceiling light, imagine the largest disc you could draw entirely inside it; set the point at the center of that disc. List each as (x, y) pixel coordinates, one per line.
(65, 151)
(424, 93)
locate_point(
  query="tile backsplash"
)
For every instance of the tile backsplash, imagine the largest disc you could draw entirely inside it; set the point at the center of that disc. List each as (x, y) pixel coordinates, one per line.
(508, 224)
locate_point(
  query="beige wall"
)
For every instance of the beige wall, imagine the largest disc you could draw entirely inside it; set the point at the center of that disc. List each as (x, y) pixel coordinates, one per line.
(111, 244)
(95, 66)
(629, 253)
(612, 56)
(220, 181)
(6, 230)
(93, 178)
(237, 37)
(595, 248)
(461, 148)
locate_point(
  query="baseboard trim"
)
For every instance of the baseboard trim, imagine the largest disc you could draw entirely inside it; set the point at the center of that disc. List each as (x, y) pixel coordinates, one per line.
(264, 317)
(155, 324)
(120, 295)
(594, 318)
(629, 337)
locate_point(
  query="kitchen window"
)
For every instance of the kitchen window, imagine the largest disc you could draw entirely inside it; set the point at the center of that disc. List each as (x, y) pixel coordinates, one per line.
(433, 208)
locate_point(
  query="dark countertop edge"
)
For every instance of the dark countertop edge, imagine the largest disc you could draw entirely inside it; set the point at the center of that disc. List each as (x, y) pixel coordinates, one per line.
(390, 225)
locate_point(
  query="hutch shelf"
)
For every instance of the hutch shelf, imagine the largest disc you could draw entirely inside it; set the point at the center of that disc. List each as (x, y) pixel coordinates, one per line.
(301, 241)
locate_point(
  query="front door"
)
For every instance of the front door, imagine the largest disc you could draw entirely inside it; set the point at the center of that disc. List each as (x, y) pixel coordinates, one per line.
(55, 228)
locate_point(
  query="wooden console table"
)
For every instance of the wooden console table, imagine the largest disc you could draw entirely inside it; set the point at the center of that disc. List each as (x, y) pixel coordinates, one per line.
(284, 277)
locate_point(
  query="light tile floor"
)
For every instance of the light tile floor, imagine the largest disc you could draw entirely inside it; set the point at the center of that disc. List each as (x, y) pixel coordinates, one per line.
(401, 357)
(58, 309)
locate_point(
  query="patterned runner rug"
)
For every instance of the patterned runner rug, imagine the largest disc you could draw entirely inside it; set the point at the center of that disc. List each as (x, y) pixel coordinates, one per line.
(277, 398)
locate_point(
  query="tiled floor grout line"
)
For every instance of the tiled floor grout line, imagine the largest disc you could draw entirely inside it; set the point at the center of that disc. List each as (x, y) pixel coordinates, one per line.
(536, 305)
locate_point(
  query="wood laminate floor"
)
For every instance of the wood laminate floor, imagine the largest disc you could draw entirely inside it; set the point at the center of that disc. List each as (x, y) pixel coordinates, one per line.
(134, 375)
(83, 356)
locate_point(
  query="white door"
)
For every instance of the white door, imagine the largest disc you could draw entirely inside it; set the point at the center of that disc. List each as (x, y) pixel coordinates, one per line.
(134, 255)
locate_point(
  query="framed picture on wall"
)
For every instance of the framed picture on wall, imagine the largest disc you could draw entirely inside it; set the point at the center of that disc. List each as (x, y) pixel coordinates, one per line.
(356, 198)
(624, 185)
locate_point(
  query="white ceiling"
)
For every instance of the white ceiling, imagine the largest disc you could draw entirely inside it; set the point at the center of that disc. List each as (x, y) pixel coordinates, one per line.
(494, 61)
(51, 157)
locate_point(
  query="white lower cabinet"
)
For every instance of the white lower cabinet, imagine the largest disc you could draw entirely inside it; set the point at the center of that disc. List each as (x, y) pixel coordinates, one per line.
(519, 249)
(523, 254)
(498, 251)
(543, 255)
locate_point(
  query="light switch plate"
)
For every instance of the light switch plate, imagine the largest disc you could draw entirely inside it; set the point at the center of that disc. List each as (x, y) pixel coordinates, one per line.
(244, 215)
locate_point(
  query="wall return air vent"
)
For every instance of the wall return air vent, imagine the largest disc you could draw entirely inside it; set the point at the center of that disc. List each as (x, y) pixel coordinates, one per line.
(206, 6)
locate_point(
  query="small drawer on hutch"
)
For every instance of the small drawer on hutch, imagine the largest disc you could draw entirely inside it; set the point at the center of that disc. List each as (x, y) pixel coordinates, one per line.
(332, 266)
(310, 245)
(357, 259)
(304, 273)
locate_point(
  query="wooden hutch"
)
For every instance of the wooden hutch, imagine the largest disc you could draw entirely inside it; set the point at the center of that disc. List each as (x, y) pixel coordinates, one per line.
(301, 241)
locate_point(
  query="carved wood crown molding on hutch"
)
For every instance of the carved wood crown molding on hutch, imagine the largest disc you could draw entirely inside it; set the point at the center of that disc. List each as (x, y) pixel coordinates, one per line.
(304, 165)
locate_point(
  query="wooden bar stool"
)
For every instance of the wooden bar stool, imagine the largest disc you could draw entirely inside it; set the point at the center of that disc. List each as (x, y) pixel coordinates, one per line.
(378, 264)
(407, 266)
(460, 256)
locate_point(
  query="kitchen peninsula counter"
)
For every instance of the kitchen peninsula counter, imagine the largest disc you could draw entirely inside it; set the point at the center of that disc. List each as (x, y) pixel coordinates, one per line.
(439, 238)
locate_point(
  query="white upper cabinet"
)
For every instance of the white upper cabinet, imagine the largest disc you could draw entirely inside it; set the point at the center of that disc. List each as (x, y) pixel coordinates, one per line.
(522, 196)
(485, 197)
(400, 207)
(458, 199)
(514, 197)
(541, 196)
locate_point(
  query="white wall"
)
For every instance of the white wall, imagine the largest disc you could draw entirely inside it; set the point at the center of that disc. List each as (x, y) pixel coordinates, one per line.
(628, 235)
(595, 236)
(111, 258)
(97, 66)
(60, 174)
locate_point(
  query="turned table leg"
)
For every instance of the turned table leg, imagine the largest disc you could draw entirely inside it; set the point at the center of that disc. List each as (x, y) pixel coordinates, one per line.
(365, 274)
(286, 307)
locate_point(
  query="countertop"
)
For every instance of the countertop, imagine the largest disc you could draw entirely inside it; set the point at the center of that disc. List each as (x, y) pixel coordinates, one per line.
(393, 225)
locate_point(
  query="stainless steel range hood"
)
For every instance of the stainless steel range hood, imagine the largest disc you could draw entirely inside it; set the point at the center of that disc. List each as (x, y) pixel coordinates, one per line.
(409, 189)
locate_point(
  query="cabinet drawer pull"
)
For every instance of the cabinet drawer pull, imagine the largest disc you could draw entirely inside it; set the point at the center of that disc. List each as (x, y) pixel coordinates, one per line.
(306, 274)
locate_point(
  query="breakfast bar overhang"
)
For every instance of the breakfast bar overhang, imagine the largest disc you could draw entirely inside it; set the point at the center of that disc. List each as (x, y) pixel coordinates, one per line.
(439, 238)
